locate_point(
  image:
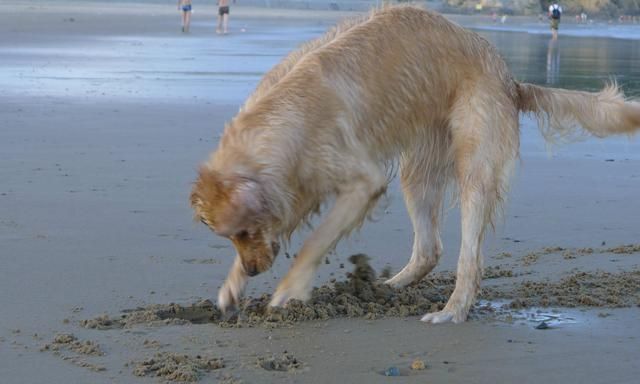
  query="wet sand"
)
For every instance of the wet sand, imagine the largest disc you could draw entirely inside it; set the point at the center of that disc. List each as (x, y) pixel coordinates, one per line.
(106, 112)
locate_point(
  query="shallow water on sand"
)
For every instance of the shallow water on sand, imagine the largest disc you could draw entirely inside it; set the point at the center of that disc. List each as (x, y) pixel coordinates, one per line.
(227, 68)
(575, 61)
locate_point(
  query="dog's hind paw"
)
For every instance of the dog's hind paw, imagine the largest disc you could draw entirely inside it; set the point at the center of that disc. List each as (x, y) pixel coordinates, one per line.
(444, 316)
(412, 273)
(400, 280)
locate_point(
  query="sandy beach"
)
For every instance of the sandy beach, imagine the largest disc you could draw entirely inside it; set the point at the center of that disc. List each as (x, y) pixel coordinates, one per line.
(106, 111)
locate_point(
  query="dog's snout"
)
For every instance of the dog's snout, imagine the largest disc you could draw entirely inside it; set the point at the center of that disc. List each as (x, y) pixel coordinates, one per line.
(251, 269)
(275, 248)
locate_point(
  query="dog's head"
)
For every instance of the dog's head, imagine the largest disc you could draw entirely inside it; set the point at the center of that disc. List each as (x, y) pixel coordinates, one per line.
(233, 206)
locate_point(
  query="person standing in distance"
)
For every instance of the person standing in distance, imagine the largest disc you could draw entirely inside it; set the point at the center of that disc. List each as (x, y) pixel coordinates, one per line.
(185, 7)
(223, 16)
(555, 13)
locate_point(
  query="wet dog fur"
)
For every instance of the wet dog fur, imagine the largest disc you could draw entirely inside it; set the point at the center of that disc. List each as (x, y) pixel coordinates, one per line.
(403, 87)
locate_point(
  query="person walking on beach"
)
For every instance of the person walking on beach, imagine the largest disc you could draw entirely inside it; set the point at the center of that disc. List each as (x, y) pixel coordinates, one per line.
(223, 16)
(555, 12)
(185, 7)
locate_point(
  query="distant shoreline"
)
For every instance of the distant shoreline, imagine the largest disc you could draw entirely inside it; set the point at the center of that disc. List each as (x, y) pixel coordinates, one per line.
(536, 24)
(349, 6)
(322, 9)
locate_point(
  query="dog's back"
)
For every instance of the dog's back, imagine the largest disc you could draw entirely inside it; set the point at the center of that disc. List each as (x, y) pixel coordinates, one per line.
(400, 69)
(404, 69)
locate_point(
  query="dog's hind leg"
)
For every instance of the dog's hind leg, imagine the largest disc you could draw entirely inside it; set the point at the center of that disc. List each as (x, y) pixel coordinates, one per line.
(353, 203)
(484, 144)
(424, 178)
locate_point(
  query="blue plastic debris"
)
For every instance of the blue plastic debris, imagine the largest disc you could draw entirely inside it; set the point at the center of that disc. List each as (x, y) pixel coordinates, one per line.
(392, 371)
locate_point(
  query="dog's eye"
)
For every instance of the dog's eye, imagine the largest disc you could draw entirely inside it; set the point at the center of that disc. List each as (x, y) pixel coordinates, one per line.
(208, 224)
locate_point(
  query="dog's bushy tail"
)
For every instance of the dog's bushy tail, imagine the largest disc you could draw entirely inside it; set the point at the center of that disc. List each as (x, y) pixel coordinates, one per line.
(563, 113)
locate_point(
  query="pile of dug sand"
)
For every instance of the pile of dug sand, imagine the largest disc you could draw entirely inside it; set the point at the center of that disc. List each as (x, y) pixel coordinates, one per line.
(362, 294)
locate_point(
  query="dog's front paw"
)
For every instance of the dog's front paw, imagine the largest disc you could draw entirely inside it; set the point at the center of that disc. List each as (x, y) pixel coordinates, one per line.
(445, 316)
(229, 296)
(284, 293)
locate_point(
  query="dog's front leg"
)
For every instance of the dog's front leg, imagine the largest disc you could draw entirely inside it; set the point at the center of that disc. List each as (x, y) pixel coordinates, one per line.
(351, 207)
(233, 287)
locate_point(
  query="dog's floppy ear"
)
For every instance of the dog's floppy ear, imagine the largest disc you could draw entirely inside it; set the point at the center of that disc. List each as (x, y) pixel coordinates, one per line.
(246, 193)
(227, 204)
(206, 189)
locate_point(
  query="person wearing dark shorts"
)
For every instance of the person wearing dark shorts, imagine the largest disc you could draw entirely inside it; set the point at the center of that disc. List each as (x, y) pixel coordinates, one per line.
(185, 7)
(223, 16)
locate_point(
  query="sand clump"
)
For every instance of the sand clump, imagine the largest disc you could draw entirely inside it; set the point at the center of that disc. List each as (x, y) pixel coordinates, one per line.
(418, 365)
(624, 249)
(177, 367)
(152, 344)
(284, 363)
(363, 294)
(531, 258)
(66, 342)
(589, 289)
(569, 253)
(497, 272)
(157, 314)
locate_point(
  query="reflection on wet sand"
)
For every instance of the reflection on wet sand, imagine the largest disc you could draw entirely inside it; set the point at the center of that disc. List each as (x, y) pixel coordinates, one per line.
(553, 61)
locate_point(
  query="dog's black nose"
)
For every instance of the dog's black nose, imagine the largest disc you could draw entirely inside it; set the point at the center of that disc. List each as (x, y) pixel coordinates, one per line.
(251, 269)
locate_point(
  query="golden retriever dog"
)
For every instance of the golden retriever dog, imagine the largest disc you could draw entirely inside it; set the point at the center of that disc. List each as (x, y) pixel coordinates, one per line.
(404, 87)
